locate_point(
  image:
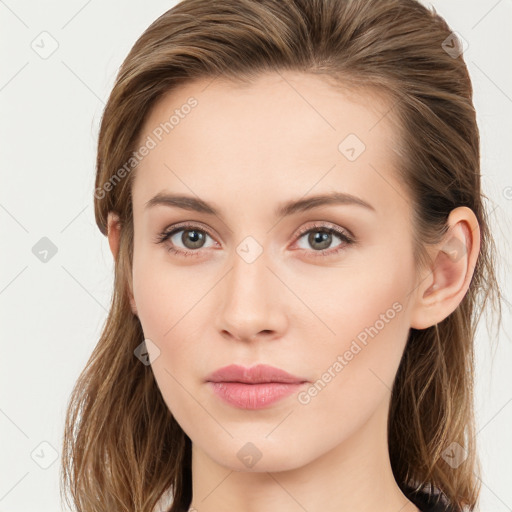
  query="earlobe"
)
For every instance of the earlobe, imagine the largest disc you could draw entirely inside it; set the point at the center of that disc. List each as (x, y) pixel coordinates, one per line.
(114, 233)
(133, 305)
(113, 227)
(447, 282)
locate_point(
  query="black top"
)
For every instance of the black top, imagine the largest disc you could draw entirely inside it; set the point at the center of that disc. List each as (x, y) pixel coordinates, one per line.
(428, 502)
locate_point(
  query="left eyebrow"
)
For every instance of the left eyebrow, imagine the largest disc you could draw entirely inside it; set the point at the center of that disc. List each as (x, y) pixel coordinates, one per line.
(308, 203)
(284, 209)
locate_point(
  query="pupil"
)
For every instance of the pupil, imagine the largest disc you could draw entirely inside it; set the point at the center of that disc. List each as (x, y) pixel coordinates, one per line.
(192, 237)
(319, 237)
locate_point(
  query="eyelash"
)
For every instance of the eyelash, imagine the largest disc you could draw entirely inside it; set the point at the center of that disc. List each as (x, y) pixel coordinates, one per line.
(343, 235)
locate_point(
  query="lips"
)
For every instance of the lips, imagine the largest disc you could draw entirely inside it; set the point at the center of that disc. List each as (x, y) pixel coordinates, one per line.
(259, 374)
(253, 388)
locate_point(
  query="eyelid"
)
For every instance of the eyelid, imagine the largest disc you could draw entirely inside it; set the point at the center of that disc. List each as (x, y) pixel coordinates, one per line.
(170, 230)
(301, 231)
(325, 225)
(343, 233)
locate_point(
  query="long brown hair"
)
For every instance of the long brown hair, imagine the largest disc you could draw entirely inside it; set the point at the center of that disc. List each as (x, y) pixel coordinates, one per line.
(122, 448)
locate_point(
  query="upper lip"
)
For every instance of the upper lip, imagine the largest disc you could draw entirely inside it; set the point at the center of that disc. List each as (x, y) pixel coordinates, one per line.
(255, 375)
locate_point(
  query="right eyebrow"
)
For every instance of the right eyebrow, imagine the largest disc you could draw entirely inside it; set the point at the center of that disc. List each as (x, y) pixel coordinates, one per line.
(182, 201)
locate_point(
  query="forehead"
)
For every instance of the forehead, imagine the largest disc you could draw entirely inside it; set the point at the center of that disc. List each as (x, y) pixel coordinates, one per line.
(282, 134)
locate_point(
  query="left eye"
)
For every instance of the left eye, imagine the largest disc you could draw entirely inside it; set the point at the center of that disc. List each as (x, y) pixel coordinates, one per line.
(322, 238)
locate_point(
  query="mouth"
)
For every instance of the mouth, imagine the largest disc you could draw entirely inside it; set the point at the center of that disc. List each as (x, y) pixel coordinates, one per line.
(259, 374)
(253, 396)
(253, 388)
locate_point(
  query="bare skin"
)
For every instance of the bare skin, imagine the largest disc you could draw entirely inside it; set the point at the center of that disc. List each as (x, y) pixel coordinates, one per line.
(246, 150)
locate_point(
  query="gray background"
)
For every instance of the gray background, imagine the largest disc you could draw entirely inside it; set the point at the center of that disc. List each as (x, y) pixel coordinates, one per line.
(52, 312)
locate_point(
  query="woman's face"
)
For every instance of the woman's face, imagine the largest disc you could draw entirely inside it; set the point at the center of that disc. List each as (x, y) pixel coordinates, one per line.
(262, 281)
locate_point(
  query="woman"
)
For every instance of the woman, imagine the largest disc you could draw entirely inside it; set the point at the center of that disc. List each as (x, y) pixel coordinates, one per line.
(291, 194)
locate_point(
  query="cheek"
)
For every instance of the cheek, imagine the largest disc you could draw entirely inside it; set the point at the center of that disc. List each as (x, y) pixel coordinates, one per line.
(164, 296)
(355, 370)
(369, 325)
(170, 300)
(349, 301)
(162, 293)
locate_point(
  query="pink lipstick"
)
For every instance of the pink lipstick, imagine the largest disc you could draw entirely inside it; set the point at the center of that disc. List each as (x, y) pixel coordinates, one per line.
(253, 388)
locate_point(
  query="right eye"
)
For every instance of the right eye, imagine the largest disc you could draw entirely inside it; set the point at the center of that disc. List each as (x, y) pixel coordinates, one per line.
(189, 235)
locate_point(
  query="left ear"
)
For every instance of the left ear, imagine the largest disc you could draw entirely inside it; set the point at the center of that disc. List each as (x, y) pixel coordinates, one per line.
(445, 284)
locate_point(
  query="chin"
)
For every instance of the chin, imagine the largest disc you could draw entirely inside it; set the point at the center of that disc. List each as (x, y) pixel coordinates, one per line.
(259, 456)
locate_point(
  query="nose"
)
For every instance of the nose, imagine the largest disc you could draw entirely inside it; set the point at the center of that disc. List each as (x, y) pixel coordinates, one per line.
(251, 301)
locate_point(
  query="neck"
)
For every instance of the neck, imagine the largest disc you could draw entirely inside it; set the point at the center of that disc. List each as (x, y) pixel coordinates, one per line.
(353, 476)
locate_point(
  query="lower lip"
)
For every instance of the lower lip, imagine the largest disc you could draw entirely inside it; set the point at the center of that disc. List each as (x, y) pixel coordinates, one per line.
(253, 396)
